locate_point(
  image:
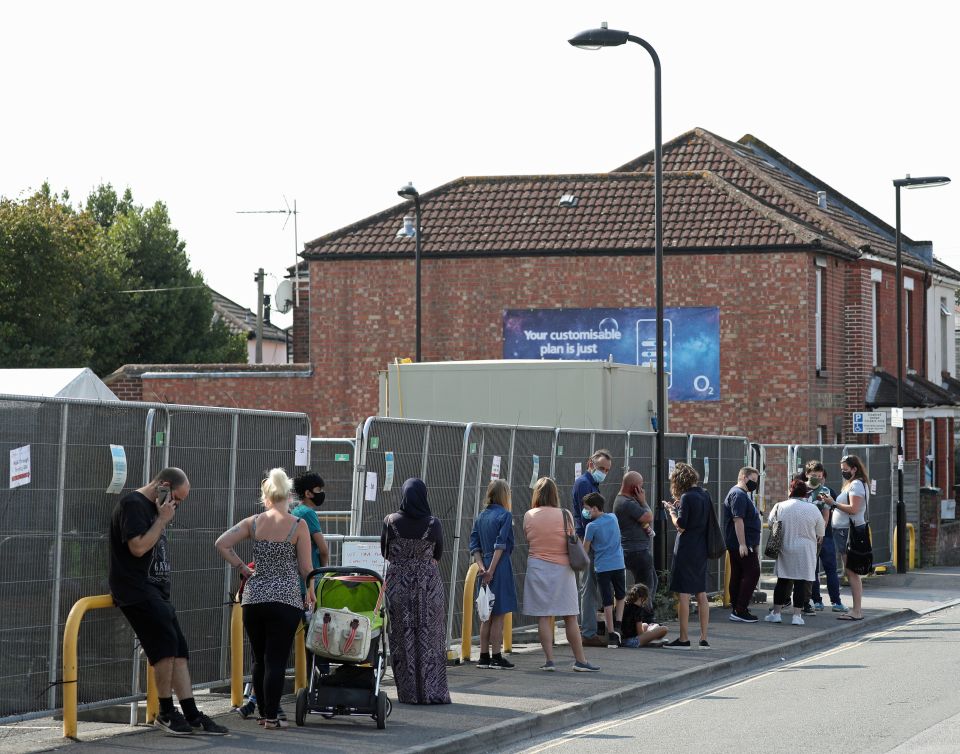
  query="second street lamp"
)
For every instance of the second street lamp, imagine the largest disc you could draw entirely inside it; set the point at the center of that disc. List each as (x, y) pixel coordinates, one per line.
(910, 183)
(594, 39)
(409, 192)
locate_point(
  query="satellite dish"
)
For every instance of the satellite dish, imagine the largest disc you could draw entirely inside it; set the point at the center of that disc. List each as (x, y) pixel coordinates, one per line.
(283, 300)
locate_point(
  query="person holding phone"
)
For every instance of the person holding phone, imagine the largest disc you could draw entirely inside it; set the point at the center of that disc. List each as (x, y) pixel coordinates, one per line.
(139, 578)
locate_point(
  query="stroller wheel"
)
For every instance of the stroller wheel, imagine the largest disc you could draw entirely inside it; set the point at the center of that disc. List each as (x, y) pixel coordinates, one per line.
(382, 713)
(301, 715)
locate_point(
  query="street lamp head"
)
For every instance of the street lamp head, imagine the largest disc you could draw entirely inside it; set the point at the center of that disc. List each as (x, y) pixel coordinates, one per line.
(594, 39)
(408, 191)
(929, 181)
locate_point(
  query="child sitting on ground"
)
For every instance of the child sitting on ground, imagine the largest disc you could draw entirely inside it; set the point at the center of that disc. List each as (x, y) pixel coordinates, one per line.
(639, 630)
(603, 535)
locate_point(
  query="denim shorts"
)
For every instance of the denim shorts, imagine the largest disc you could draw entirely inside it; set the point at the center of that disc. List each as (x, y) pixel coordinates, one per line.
(840, 537)
(633, 642)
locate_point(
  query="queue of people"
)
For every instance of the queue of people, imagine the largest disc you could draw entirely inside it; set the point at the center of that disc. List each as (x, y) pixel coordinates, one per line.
(289, 545)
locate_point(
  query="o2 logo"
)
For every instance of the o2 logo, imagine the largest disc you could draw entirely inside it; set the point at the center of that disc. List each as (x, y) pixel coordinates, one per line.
(701, 383)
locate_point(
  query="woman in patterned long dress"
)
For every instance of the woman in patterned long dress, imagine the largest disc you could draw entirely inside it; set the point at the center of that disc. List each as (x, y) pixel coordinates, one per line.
(272, 603)
(412, 541)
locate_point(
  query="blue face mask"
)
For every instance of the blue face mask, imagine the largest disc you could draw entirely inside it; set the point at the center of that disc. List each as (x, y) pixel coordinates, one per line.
(598, 475)
(585, 512)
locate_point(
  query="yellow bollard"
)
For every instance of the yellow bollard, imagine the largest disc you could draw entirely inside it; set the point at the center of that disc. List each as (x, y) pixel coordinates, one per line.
(726, 580)
(911, 547)
(71, 633)
(508, 632)
(466, 632)
(153, 697)
(300, 660)
(236, 655)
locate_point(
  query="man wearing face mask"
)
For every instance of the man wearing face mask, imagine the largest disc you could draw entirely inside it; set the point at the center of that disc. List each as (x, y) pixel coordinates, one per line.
(741, 533)
(309, 489)
(817, 482)
(598, 466)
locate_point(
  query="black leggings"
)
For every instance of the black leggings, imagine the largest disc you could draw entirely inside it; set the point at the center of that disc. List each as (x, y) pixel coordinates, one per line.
(271, 627)
(800, 589)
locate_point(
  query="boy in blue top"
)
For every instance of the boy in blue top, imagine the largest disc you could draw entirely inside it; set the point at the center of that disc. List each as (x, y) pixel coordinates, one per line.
(603, 536)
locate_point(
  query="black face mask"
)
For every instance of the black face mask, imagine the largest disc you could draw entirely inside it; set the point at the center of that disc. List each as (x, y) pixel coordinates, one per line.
(848, 475)
(319, 498)
(751, 486)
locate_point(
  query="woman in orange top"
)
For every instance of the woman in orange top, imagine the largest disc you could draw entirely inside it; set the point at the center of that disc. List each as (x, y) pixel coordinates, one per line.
(550, 587)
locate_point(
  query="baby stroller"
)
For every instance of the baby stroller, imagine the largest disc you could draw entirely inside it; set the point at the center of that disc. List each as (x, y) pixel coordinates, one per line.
(348, 628)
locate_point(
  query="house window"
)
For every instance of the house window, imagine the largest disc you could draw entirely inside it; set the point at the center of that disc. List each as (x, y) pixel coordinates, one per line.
(944, 338)
(908, 320)
(820, 319)
(876, 323)
(930, 465)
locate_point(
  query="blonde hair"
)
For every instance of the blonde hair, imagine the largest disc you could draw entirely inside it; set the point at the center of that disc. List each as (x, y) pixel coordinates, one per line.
(684, 477)
(498, 493)
(545, 494)
(275, 489)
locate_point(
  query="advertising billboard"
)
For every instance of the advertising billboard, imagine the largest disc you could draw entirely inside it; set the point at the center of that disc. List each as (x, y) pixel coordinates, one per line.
(691, 342)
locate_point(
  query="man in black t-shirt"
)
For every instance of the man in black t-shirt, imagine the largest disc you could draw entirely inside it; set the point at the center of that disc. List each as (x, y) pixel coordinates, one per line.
(139, 577)
(742, 528)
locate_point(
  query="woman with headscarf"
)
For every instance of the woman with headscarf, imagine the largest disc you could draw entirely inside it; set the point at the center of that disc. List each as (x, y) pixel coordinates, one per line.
(412, 542)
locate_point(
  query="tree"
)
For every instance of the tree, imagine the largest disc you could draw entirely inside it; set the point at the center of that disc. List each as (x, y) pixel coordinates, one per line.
(64, 274)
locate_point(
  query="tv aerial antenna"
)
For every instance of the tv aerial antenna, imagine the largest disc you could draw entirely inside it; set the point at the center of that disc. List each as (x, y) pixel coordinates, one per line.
(296, 242)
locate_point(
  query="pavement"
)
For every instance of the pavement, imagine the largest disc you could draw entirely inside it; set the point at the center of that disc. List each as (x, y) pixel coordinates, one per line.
(494, 710)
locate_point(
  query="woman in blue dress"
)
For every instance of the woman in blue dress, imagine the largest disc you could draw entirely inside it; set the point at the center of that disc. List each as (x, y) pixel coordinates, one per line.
(491, 543)
(690, 512)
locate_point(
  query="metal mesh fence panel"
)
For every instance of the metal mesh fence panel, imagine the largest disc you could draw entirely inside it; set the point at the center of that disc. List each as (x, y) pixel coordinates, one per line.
(333, 459)
(881, 509)
(54, 533)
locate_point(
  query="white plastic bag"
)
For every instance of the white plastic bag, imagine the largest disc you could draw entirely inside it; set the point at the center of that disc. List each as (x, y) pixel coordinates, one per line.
(485, 600)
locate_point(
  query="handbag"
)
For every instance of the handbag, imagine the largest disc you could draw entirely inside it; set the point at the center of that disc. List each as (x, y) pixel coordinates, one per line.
(774, 541)
(716, 547)
(579, 560)
(860, 550)
(340, 635)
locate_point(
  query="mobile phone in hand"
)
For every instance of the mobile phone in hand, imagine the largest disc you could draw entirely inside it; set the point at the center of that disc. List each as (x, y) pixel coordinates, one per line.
(162, 494)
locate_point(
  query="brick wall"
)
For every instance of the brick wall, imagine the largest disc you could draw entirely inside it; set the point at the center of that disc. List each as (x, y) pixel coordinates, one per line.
(766, 312)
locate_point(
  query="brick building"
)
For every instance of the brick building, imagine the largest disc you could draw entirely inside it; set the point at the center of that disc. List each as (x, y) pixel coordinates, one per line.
(802, 276)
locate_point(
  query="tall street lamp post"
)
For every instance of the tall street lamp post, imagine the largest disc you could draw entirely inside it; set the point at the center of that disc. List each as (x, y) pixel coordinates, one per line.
(594, 39)
(409, 192)
(910, 183)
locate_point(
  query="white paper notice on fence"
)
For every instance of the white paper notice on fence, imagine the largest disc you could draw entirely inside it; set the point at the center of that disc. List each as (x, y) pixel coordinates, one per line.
(671, 467)
(19, 466)
(873, 486)
(363, 555)
(118, 456)
(388, 475)
(577, 470)
(706, 469)
(370, 493)
(536, 472)
(948, 510)
(495, 468)
(302, 451)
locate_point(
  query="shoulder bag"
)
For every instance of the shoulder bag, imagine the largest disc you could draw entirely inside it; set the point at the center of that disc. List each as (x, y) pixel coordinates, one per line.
(859, 544)
(774, 541)
(579, 560)
(716, 547)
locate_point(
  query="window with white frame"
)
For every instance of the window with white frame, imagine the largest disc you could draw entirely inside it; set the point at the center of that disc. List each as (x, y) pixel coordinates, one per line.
(876, 276)
(907, 319)
(945, 336)
(818, 338)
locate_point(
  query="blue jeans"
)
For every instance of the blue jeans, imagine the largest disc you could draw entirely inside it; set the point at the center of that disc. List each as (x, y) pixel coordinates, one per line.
(589, 599)
(827, 561)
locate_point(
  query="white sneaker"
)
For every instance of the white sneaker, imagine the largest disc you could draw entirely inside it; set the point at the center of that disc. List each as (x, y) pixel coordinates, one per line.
(773, 618)
(797, 620)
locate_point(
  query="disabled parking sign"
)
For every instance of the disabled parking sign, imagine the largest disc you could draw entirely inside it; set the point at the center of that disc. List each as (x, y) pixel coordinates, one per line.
(869, 422)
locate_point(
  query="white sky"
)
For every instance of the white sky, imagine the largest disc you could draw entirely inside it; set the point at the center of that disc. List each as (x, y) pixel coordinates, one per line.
(217, 107)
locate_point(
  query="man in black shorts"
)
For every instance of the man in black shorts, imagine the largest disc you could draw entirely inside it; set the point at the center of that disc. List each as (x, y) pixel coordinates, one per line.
(139, 577)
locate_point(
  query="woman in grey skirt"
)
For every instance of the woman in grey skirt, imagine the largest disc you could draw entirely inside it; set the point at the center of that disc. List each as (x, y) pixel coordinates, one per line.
(550, 587)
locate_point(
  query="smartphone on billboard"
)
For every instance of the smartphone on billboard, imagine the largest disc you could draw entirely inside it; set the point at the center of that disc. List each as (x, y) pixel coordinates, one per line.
(647, 346)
